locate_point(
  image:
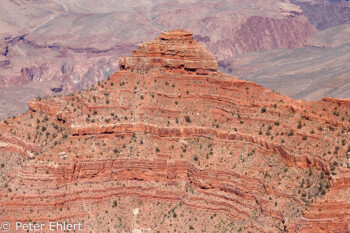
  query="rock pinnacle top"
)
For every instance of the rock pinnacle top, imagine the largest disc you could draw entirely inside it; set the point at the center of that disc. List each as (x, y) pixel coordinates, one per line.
(174, 50)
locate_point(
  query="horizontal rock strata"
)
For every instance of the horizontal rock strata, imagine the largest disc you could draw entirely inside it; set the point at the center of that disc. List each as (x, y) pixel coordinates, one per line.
(170, 143)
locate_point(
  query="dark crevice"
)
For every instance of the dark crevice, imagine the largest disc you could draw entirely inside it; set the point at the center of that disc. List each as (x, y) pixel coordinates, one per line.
(6, 51)
(190, 69)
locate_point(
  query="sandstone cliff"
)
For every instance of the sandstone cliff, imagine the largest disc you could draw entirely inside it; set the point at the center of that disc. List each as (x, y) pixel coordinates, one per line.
(175, 51)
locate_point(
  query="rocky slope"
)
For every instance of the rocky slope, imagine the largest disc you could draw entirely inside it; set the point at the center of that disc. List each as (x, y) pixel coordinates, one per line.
(170, 144)
(331, 37)
(321, 68)
(75, 44)
(325, 13)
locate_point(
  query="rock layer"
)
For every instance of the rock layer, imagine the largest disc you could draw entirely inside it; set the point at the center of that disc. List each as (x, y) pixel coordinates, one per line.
(161, 147)
(175, 50)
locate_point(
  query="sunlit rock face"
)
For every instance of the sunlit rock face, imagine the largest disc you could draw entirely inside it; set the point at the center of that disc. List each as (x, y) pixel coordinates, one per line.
(174, 50)
(178, 146)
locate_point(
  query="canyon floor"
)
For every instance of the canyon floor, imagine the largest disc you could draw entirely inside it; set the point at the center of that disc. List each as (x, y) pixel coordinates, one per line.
(170, 144)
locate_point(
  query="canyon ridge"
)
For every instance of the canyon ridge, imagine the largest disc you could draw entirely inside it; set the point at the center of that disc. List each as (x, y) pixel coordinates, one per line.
(169, 143)
(55, 47)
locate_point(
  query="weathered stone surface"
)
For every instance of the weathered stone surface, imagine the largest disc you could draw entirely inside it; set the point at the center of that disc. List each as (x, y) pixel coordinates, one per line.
(48, 108)
(174, 50)
(174, 149)
(337, 101)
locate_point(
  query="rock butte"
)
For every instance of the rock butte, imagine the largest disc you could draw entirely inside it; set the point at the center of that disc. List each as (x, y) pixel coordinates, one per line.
(175, 50)
(169, 143)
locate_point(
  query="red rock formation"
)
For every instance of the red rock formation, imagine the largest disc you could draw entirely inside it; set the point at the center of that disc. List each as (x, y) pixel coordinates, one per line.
(41, 61)
(171, 50)
(337, 101)
(41, 106)
(168, 143)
